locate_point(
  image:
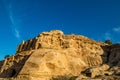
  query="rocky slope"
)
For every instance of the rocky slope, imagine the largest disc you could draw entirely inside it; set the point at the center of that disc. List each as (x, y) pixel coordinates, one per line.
(55, 56)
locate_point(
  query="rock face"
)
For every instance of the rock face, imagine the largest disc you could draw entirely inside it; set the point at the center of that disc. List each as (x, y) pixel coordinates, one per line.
(53, 55)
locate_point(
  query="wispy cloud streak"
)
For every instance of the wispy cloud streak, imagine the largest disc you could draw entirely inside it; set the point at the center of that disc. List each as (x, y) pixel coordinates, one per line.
(14, 20)
(116, 29)
(113, 34)
(17, 34)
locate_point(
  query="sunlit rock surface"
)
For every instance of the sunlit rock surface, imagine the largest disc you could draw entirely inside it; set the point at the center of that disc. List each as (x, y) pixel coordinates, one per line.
(54, 55)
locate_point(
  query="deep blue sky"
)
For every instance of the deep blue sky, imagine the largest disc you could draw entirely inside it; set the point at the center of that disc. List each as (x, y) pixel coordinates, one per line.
(25, 19)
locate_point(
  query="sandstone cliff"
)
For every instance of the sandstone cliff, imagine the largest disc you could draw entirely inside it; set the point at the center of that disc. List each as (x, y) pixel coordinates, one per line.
(53, 55)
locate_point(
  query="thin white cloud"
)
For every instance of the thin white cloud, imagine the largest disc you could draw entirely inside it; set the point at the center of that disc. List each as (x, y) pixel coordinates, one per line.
(11, 19)
(14, 25)
(116, 29)
(112, 34)
(14, 20)
(17, 34)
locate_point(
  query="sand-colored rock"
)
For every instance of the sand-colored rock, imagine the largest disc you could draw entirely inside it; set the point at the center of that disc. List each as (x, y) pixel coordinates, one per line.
(53, 54)
(97, 71)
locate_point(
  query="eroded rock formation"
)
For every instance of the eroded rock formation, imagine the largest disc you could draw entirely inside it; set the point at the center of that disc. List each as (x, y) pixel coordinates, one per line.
(52, 54)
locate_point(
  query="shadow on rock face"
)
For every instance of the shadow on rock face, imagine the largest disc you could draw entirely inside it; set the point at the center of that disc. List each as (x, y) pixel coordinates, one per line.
(13, 73)
(13, 70)
(110, 66)
(111, 55)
